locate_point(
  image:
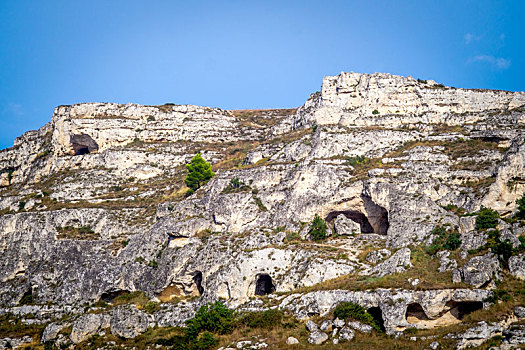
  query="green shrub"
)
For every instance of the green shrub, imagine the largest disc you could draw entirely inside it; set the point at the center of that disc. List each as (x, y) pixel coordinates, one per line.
(521, 208)
(375, 111)
(357, 160)
(347, 310)
(453, 241)
(199, 172)
(236, 186)
(497, 295)
(215, 318)
(318, 228)
(487, 218)
(264, 319)
(448, 239)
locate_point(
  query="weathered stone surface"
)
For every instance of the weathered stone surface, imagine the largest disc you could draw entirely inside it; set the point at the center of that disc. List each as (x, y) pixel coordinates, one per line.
(398, 262)
(360, 327)
(346, 334)
(78, 200)
(88, 325)
(51, 331)
(391, 303)
(477, 335)
(376, 256)
(317, 337)
(311, 326)
(128, 322)
(519, 311)
(517, 266)
(292, 341)
(345, 226)
(480, 270)
(446, 263)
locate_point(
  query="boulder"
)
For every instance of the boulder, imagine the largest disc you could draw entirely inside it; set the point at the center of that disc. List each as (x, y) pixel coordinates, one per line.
(292, 341)
(477, 335)
(317, 337)
(376, 256)
(88, 325)
(480, 270)
(311, 326)
(346, 334)
(446, 263)
(51, 331)
(128, 322)
(517, 266)
(346, 226)
(360, 327)
(398, 262)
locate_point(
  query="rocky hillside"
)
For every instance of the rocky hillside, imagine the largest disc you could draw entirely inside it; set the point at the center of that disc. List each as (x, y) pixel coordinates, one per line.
(102, 245)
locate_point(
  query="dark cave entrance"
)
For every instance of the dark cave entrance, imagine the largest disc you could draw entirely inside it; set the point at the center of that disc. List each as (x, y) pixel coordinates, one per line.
(377, 215)
(83, 144)
(375, 220)
(110, 296)
(355, 216)
(415, 313)
(264, 284)
(377, 315)
(197, 279)
(460, 309)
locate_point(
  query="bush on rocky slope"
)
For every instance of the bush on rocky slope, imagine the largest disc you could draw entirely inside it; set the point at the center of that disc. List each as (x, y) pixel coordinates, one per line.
(318, 228)
(199, 172)
(487, 218)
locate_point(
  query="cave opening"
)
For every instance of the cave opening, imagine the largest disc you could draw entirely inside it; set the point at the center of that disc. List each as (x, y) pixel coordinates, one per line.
(83, 144)
(197, 279)
(110, 296)
(264, 284)
(355, 216)
(27, 298)
(415, 313)
(377, 216)
(460, 309)
(377, 315)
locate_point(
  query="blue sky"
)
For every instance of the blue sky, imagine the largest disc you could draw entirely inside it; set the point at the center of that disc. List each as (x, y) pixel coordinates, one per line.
(241, 54)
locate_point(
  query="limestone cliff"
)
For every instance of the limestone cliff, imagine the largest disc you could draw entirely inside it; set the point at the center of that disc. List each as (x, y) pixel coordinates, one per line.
(93, 207)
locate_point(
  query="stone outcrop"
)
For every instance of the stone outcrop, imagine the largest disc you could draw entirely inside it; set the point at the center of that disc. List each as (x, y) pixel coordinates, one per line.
(94, 207)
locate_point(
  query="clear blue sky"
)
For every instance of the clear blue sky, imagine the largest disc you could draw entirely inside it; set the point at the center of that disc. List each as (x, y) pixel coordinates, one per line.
(241, 54)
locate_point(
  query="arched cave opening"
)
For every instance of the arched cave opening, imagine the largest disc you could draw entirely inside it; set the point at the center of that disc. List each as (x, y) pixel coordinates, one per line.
(377, 314)
(197, 278)
(83, 144)
(355, 216)
(460, 309)
(264, 284)
(110, 296)
(377, 216)
(27, 298)
(415, 313)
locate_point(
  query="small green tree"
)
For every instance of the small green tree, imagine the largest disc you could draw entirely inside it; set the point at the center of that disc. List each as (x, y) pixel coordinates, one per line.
(487, 218)
(215, 318)
(199, 172)
(521, 208)
(318, 228)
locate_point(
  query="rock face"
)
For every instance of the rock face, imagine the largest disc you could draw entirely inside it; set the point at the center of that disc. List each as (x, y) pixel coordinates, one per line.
(93, 206)
(517, 266)
(128, 322)
(87, 325)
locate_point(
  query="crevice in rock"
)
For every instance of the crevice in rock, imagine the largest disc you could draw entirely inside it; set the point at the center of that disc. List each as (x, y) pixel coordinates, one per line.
(377, 314)
(377, 216)
(83, 144)
(197, 278)
(355, 216)
(264, 284)
(110, 296)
